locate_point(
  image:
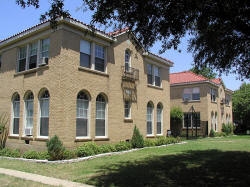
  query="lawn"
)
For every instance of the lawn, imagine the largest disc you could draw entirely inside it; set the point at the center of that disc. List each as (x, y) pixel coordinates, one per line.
(202, 162)
(8, 181)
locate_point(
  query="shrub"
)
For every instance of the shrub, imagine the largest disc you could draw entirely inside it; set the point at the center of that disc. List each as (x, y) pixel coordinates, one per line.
(149, 142)
(55, 148)
(122, 146)
(227, 128)
(69, 154)
(176, 116)
(161, 140)
(212, 133)
(10, 153)
(87, 149)
(137, 139)
(106, 148)
(31, 154)
(4, 130)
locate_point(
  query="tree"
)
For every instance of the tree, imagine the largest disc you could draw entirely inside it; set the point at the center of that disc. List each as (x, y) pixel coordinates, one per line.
(219, 29)
(241, 106)
(204, 71)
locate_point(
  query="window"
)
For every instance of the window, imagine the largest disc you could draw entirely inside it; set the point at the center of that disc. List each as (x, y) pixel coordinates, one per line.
(153, 73)
(213, 94)
(127, 61)
(44, 52)
(227, 99)
(29, 110)
(32, 55)
(99, 58)
(16, 113)
(191, 120)
(150, 109)
(44, 113)
(22, 59)
(28, 54)
(85, 52)
(159, 119)
(150, 73)
(191, 94)
(82, 115)
(100, 129)
(127, 109)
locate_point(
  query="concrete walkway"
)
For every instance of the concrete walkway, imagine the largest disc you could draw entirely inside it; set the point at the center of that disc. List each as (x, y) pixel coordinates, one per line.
(42, 179)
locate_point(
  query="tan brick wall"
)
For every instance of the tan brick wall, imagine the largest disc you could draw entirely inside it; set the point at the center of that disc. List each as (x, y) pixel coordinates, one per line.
(204, 106)
(64, 79)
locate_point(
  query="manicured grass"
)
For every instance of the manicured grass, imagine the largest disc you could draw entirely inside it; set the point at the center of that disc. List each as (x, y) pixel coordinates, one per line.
(203, 162)
(8, 181)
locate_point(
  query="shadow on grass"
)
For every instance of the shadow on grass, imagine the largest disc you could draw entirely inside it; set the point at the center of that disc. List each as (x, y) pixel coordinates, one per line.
(193, 168)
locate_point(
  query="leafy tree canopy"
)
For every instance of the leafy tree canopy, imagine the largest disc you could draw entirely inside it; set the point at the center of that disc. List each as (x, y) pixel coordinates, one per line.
(219, 29)
(241, 103)
(204, 71)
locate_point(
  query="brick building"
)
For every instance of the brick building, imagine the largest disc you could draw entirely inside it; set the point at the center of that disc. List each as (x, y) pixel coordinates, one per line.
(81, 85)
(210, 100)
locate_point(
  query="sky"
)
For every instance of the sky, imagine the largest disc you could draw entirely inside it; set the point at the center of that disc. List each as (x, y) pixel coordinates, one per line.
(14, 19)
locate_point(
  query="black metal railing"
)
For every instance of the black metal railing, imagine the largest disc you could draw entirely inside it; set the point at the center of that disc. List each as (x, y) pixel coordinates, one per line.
(130, 73)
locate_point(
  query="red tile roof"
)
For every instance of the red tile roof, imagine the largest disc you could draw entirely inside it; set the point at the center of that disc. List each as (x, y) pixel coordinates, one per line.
(186, 77)
(119, 31)
(217, 81)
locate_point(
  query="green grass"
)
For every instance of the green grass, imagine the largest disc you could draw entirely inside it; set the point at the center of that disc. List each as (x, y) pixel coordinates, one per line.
(203, 162)
(8, 181)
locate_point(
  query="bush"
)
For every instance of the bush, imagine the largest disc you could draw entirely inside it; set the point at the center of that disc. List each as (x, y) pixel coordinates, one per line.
(149, 142)
(212, 133)
(69, 154)
(106, 148)
(228, 128)
(87, 149)
(55, 148)
(161, 140)
(10, 153)
(31, 154)
(137, 139)
(122, 146)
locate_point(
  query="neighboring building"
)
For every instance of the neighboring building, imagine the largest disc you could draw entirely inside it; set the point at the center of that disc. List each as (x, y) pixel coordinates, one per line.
(210, 100)
(81, 85)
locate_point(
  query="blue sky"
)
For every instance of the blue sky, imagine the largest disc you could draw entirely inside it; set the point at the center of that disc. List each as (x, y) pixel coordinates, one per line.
(14, 19)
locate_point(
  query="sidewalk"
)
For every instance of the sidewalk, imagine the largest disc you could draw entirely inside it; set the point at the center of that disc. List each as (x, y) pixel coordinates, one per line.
(42, 179)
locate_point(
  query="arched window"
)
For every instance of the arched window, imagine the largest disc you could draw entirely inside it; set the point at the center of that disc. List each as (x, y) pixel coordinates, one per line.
(16, 113)
(127, 61)
(150, 109)
(100, 128)
(159, 118)
(44, 113)
(82, 115)
(29, 111)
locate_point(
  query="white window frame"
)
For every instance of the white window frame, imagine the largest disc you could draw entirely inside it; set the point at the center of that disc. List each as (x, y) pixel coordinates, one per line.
(127, 60)
(80, 114)
(213, 95)
(159, 118)
(94, 53)
(27, 102)
(188, 94)
(42, 99)
(39, 51)
(127, 107)
(14, 115)
(150, 118)
(155, 72)
(102, 117)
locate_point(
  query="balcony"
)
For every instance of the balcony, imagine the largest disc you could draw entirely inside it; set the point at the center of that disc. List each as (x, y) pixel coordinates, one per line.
(129, 73)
